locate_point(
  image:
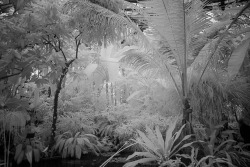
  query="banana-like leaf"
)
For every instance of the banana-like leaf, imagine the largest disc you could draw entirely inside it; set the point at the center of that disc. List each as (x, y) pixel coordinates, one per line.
(78, 151)
(72, 150)
(28, 148)
(29, 156)
(68, 142)
(61, 145)
(80, 141)
(36, 154)
(19, 148)
(237, 57)
(65, 151)
(20, 157)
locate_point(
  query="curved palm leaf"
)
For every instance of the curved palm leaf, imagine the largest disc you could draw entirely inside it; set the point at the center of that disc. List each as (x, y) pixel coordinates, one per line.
(178, 23)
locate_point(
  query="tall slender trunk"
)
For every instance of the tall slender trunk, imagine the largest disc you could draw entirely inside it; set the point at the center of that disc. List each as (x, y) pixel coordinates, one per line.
(107, 93)
(186, 111)
(111, 94)
(54, 119)
(186, 118)
(57, 92)
(115, 95)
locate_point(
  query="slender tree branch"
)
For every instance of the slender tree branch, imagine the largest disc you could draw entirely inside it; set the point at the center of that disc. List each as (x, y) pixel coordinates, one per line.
(7, 76)
(18, 69)
(77, 48)
(50, 43)
(77, 42)
(60, 48)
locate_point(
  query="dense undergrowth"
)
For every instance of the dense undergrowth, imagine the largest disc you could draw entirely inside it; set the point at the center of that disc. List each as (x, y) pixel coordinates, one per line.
(78, 78)
(153, 138)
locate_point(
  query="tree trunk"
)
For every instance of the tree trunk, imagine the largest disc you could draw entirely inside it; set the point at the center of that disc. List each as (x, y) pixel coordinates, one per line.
(111, 94)
(186, 118)
(57, 92)
(107, 93)
(186, 111)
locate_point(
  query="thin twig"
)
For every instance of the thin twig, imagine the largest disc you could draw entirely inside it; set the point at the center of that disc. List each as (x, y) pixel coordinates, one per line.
(49, 42)
(60, 48)
(78, 42)
(7, 76)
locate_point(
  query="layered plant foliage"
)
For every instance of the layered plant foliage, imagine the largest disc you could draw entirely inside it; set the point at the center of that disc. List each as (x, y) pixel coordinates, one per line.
(74, 145)
(159, 149)
(81, 76)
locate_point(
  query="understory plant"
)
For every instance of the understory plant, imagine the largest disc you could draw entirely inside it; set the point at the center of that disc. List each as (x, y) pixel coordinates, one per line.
(74, 145)
(157, 149)
(11, 124)
(220, 149)
(121, 122)
(29, 149)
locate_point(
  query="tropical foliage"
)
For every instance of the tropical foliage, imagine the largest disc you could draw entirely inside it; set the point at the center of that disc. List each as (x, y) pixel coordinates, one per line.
(74, 145)
(29, 151)
(157, 149)
(86, 76)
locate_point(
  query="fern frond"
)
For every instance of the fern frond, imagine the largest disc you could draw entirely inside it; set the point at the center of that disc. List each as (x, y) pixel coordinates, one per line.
(168, 19)
(98, 20)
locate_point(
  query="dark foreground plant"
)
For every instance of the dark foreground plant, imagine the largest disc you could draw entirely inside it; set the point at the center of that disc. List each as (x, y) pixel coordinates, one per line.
(29, 150)
(219, 150)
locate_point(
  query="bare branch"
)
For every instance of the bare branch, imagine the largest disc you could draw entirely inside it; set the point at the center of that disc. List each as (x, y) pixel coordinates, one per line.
(60, 48)
(77, 42)
(50, 43)
(7, 76)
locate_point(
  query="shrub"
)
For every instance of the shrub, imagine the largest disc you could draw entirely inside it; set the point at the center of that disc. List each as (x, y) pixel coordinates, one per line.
(76, 122)
(158, 150)
(69, 145)
(27, 150)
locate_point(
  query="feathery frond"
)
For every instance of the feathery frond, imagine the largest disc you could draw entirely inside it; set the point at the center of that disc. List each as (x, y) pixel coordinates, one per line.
(98, 20)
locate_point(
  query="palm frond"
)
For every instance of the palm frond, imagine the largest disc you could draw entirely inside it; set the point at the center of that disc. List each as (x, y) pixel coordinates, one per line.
(98, 19)
(178, 23)
(140, 62)
(168, 19)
